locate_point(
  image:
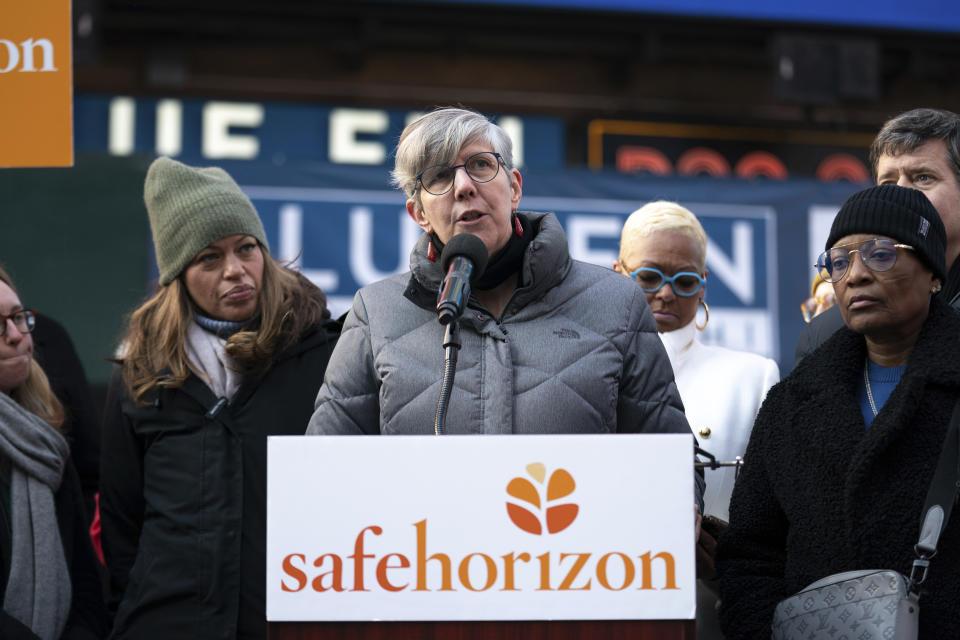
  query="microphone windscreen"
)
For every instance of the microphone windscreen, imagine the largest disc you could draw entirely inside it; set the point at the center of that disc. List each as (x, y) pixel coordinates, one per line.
(470, 247)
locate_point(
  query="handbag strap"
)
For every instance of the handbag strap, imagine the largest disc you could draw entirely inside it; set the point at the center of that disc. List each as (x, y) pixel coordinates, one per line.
(940, 498)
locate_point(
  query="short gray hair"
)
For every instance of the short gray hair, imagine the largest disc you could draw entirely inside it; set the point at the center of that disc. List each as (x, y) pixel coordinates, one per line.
(912, 129)
(437, 138)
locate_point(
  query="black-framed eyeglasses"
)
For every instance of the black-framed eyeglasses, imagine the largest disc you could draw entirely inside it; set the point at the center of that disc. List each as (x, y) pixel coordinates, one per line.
(684, 283)
(481, 167)
(878, 254)
(23, 319)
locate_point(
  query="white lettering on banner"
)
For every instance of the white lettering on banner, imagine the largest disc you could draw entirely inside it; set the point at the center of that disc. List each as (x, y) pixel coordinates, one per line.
(291, 248)
(737, 273)
(218, 117)
(580, 229)
(514, 128)
(218, 142)
(169, 127)
(819, 220)
(345, 124)
(123, 119)
(29, 46)
(362, 267)
(13, 56)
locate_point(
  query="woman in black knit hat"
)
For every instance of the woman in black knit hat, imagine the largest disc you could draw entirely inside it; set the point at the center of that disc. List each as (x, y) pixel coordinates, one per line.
(843, 450)
(231, 348)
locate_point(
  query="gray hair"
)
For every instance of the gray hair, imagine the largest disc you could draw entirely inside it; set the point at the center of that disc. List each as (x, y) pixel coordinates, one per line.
(437, 138)
(912, 129)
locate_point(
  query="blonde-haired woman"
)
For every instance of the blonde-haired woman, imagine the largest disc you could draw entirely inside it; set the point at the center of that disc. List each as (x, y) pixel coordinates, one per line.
(230, 349)
(663, 247)
(49, 585)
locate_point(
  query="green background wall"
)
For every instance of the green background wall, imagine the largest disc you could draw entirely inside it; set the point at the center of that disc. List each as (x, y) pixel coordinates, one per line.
(76, 243)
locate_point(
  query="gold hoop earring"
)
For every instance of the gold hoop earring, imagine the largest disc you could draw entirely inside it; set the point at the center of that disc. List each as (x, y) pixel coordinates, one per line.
(706, 319)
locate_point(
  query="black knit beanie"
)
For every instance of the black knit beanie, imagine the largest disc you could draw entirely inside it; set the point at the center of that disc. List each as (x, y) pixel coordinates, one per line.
(899, 213)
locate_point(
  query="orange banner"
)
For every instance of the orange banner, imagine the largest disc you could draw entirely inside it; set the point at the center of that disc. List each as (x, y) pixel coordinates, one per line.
(36, 84)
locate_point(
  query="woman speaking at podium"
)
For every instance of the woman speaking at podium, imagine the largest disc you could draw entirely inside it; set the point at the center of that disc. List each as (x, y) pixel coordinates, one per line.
(549, 344)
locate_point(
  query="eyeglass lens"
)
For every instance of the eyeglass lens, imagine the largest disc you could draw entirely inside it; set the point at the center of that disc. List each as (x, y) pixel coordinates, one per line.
(24, 320)
(683, 283)
(878, 254)
(481, 167)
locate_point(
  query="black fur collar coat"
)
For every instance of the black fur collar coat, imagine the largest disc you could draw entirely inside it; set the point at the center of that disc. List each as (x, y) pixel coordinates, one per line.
(821, 494)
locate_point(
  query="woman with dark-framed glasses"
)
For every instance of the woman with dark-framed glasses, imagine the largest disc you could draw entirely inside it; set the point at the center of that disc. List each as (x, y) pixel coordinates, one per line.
(663, 248)
(49, 583)
(843, 450)
(549, 344)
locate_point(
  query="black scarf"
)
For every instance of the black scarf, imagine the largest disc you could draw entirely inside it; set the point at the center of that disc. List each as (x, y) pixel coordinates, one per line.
(507, 261)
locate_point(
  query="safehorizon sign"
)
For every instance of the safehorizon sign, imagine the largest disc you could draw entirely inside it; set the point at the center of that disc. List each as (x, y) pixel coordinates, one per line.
(36, 82)
(480, 528)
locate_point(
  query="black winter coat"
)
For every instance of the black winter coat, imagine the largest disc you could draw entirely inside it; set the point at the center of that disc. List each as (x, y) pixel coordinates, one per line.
(54, 350)
(183, 498)
(820, 493)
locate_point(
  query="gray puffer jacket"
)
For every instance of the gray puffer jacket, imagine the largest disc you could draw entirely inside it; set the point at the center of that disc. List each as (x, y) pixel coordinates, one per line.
(576, 351)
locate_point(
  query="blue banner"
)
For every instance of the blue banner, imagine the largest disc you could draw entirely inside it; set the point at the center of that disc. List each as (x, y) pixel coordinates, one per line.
(344, 228)
(924, 15)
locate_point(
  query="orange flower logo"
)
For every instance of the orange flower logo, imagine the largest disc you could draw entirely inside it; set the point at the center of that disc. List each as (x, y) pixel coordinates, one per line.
(537, 512)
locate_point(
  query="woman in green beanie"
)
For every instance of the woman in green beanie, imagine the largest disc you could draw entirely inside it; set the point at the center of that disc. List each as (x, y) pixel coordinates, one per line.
(230, 349)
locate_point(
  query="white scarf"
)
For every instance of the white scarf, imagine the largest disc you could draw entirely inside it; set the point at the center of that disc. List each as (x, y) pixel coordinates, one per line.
(208, 355)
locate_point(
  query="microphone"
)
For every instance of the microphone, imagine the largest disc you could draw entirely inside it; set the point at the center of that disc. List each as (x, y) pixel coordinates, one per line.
(464, 258)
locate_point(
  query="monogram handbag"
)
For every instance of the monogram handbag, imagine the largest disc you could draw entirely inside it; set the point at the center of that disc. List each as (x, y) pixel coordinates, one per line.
(866, 605)
(876, 604)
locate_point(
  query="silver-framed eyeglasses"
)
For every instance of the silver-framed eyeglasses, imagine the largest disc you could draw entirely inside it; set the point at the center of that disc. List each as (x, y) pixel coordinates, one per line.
(23, 319)
(878, 254)
(684, 283)
(481, 167)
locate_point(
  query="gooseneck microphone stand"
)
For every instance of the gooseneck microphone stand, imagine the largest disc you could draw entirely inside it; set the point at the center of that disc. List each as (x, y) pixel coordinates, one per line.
(451, 346)
(463, 260)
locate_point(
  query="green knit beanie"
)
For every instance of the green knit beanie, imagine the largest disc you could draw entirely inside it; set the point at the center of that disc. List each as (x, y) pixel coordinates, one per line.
(190, 208)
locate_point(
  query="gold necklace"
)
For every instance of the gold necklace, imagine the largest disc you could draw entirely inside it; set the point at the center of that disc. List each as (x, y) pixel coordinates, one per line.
(866, 381)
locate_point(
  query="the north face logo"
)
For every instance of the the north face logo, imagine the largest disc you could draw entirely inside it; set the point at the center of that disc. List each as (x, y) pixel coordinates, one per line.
(569, 334)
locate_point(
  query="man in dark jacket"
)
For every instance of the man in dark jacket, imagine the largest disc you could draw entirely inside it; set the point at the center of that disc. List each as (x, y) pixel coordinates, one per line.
(918, 149)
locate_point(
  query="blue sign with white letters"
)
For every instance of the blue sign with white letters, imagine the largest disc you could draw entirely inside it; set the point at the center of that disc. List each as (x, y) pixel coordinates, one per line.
(345, 238)
(201, 131)
(319, 176)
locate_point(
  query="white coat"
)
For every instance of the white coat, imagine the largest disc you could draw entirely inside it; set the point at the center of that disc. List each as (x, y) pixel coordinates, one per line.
(722, 390)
